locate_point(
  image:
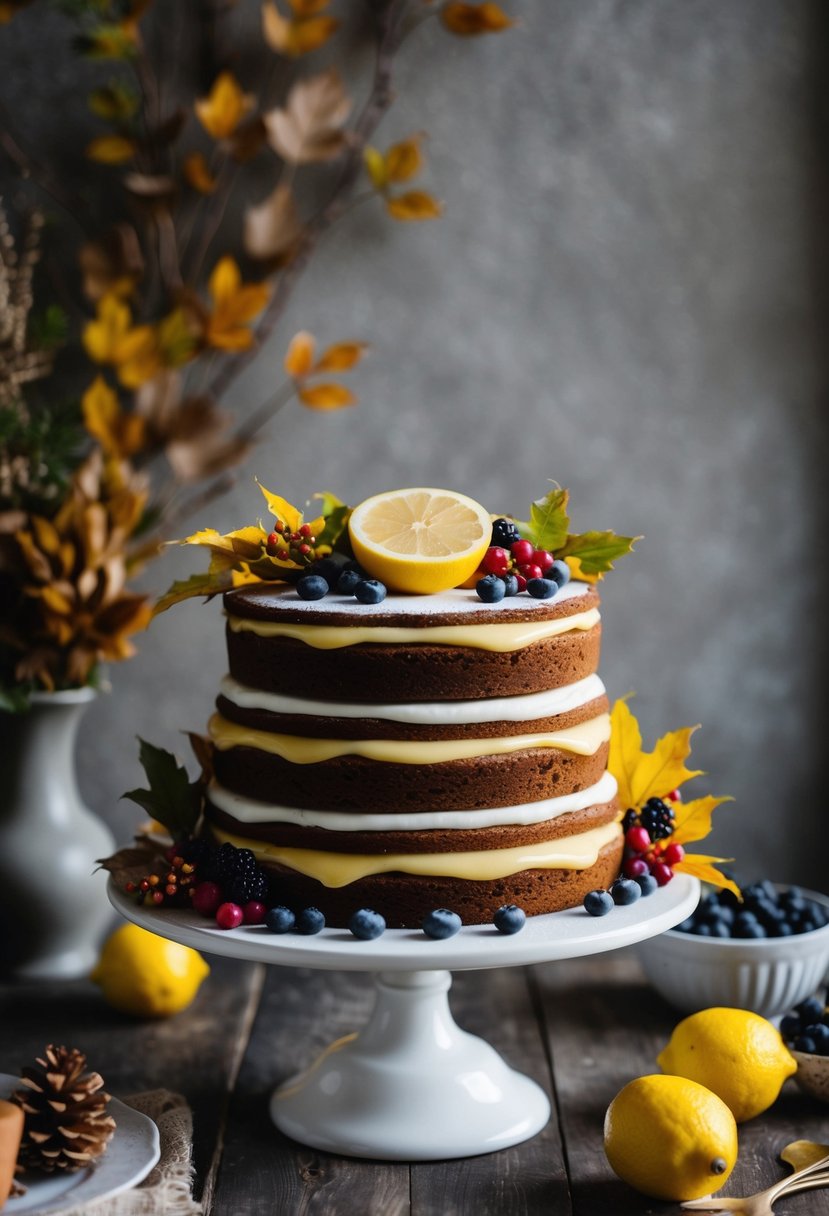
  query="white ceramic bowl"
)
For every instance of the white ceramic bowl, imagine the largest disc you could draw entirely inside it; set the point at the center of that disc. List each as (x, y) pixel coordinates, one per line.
(768, 974)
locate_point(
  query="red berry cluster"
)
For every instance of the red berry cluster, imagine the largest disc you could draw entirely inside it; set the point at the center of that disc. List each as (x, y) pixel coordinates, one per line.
(522, 560)
(287, 546)
(644, 855)
(209, 901)
(176, 887)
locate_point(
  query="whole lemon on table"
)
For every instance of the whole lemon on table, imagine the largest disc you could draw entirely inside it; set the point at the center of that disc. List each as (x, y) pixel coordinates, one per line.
(147, 975)
(670, 1138)
(735, 1053)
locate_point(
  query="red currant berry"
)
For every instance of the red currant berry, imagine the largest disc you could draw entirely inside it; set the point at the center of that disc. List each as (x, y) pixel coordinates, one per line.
(638, 839)
(305, 530)
(157, 897)
(229, 916)
(634, 867)
(305, 550)
(496, 560)
(272, 544)
(130, 888)
(529, 570)
(675, 796)
(279, 526)
(522, 551)
(672, 854)
(542, 558)
(206, 898)
(254, 912)
(662, 873)
(522, 582)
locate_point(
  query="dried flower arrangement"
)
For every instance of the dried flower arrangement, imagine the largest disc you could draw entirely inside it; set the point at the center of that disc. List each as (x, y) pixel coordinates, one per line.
(183, 299)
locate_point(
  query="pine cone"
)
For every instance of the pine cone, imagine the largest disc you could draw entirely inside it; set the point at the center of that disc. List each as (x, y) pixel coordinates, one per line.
(66, 1126)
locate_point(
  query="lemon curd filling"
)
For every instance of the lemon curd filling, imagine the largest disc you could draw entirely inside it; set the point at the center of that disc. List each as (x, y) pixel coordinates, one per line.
(576, 852)
(584, 739)
(500, 637)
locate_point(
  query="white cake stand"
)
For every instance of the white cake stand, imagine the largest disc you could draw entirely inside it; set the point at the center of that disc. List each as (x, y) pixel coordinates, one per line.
(411, 1085)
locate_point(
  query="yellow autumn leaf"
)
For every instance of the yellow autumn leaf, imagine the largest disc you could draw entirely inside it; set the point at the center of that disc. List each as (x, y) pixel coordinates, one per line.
(404, 160)
(176, 339)
(119, 434)
(137, 357)
(281, 509)
(642, 775)
(326, 396)
(234, 305)
(297, 35)
(471, 19)
(693, 819)
(197, 173)
(299, 358)
(102, 336)
(340, 357)
(224, 107)
(705, 870)
(413, 205)
(375, 163)
(245, 544)
(111, 149)
(577, 570)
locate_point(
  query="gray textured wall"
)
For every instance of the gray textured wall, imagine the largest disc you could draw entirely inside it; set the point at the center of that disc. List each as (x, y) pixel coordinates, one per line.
(625, 295)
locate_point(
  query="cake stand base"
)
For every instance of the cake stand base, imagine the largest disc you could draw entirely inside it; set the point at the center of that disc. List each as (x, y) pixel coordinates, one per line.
(411, 1085)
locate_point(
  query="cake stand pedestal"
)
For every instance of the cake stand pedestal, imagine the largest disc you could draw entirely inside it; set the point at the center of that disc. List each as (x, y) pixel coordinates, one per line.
(411, 1085)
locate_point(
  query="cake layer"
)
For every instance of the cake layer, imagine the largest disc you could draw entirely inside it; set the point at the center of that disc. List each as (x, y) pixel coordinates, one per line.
(405, 899)
(431, 840)
(391, 652)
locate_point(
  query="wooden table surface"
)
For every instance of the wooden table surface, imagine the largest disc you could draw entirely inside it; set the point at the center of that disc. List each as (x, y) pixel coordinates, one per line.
(581, 1028)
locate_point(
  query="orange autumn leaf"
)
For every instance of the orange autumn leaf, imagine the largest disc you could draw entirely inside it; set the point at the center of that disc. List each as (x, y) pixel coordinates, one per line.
(224, 107)
(326, 396)
(704, 869)
(295, 36)
(471, 19)
(234, 305)
(308, 8)
(341, 357)
(413, 205)
(299, 358)
(197, 173)
(404, 160)
(119, 434)
(111, 149)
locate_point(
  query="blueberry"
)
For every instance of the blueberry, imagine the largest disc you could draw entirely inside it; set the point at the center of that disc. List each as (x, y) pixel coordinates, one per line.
(367, 924)
(330, 568)
(510, 584)
(719, 929)
(625, 891)
(647, 884)
(347, 581)
(598, 903)
(810, 1010)
(491, 589)
(749, 931)
(312, 587)
(685, 926)
(559, 572)
(511, 919)
(702, 931)
(542, 588)
(820, 1036)
(280, 920)
(441, 923)
(370, 591)
(804, 1043)
(310, 921)
(790, 1025)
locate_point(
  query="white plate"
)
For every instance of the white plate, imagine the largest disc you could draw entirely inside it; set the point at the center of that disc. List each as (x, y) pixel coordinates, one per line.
(132, 1153)
(558, 935)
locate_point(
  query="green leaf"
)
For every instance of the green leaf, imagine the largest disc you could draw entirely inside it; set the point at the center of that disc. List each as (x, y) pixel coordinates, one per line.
(596, 551)
(172, 798)
(336, 515)
(197, 584)
(548, 523)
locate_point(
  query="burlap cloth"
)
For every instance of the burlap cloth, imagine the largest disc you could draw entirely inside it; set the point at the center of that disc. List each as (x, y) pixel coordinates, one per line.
(168, 1188)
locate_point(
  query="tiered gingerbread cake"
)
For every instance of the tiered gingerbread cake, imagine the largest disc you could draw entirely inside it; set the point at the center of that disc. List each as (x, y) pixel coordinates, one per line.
(427, 751)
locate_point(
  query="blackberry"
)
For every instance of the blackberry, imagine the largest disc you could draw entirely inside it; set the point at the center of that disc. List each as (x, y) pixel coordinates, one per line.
(504, 533)
(236, 872)
(630, 820)
(657, 818)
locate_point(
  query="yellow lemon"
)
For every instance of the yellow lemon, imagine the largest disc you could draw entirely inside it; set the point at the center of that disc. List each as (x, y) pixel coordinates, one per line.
(420, 540)
(146, 975)
(670, 1138)
(736, 1053)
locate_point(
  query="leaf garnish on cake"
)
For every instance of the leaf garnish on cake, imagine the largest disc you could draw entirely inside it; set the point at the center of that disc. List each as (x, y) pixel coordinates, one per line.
(589, 554)
(172, 798)
(649, 781)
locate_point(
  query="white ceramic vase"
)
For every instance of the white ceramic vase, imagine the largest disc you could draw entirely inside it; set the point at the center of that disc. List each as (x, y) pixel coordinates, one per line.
(53, 905)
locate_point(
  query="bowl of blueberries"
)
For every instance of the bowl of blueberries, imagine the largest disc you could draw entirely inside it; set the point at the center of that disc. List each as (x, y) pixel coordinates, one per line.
(805, 1030)
(766, 953)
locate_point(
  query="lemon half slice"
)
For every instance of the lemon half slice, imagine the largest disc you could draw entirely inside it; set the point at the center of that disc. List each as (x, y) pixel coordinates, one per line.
(420, 540)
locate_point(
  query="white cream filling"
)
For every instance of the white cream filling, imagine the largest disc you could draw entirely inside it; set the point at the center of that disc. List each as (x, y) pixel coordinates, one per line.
(250, 811)
(547, 704)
